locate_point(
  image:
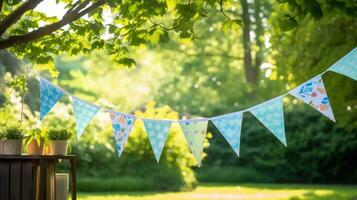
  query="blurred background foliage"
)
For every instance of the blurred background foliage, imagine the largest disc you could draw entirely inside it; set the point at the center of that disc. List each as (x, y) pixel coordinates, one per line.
(225, 67)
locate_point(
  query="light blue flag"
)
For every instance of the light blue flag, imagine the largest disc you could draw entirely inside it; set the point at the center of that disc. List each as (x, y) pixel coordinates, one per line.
(271, 114)
(49, 96)
(157, 131)
(347, 65)
(230, 126)
(83, 112)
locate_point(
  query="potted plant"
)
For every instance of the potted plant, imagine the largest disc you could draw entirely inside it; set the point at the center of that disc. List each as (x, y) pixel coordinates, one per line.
(13, 140)
(58, 139)
(34, 141)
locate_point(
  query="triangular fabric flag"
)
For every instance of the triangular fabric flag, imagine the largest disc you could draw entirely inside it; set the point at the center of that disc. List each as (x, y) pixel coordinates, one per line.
(157, 131)
(83, 113)
(313, 92)
(271, 115)
(122, 125)
(195, 134)
(230, 127)
(49, 96)
(347, 65)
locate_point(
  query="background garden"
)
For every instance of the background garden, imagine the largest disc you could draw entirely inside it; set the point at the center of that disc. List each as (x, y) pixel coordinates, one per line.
(231, 59)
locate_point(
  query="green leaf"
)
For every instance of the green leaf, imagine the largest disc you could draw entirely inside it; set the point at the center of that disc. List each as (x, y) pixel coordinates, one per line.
(127, 62)
(288, 23)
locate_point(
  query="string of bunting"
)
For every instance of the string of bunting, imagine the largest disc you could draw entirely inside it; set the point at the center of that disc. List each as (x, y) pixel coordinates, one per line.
(269, 113)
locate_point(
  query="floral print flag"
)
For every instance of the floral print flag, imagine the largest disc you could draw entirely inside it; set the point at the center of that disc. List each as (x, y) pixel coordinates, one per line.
(347, 65)
(313, 92)
(271, 115)
(83, 113)
(195, 134)
(49, 96)
(157, 131)
(230, 127)
(122, 125)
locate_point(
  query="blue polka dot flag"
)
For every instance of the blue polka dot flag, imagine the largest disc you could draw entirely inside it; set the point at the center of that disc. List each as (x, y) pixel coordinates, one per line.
(49, 96)
(230, 126)
(122, 126)
(347, 65)
(157, 131)
(83, 113)
(195, 134)
(271, 115)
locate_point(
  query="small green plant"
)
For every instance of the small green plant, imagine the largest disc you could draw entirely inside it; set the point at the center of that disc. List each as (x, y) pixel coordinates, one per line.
(13, 132)
(2, 135)
(34, 134)
(59, 134)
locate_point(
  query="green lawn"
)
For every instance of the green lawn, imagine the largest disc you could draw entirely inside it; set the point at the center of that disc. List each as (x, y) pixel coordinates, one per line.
(239, 191)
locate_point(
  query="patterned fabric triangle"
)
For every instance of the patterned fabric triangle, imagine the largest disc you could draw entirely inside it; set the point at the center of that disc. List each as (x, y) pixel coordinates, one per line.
(122, 125)
(271, 115)
(347, 65)
(49, 96)
(83, 113)
(313, 92)
(157, 132)
(195, 134)
(230, 127)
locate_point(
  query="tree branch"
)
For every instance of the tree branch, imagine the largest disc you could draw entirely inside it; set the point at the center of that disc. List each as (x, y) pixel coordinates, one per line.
(14, 16)
(48, 29)
(1, 4)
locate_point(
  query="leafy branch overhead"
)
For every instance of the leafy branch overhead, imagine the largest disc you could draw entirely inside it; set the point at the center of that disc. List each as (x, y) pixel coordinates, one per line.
(117, 25)
(87, 25)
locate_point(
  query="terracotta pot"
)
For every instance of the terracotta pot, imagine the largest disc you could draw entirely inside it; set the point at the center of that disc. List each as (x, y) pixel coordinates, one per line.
(58, 147)
(34, 149)
(12, 147)
(1, 146)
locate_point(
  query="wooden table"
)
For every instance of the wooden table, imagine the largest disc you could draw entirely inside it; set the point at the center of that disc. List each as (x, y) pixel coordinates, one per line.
(26, 177)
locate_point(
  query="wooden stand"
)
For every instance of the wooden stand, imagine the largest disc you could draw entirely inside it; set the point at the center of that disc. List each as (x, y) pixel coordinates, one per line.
(32, 177)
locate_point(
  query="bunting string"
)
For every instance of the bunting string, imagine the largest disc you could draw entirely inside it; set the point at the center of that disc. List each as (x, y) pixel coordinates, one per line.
(269, 113)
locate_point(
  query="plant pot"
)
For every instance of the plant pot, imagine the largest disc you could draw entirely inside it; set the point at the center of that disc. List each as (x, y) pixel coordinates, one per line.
(1, 146)
(12, 147)
(58, 147)
(34, 149)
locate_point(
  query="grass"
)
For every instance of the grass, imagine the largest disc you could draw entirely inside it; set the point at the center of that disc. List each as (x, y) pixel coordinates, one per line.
(239, 191)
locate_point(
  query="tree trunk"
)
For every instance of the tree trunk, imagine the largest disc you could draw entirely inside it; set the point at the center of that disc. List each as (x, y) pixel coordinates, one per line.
(251, 73)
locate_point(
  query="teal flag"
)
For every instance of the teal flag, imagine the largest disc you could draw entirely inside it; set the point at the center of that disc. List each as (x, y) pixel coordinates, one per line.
(49, 96)
(157, 131)
(347, 65)
(83, 113)
(230, 126)
(195, 134)
(271, 115)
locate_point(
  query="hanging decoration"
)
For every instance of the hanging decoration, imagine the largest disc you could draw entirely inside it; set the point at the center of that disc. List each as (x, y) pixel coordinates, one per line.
(195, 134)
(269, 113)
(230, 126)
(83, 113)
(313, 92)
(49, 96)
(157, 131)
(347, 65)
(122, 126)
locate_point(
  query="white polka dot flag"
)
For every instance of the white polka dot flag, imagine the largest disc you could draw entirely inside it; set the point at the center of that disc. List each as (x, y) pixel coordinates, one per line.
(230, 126)
(157, 131)
(347, 65)
(83, 113)
(271, 115)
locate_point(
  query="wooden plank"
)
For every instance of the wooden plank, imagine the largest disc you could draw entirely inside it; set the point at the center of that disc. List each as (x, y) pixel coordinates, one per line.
(5, 179)
(28, 182)
(43, 179)
(15, 180)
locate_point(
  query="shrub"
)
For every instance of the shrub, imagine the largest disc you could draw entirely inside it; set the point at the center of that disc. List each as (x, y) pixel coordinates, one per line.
(59, 134)
(12, 132)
